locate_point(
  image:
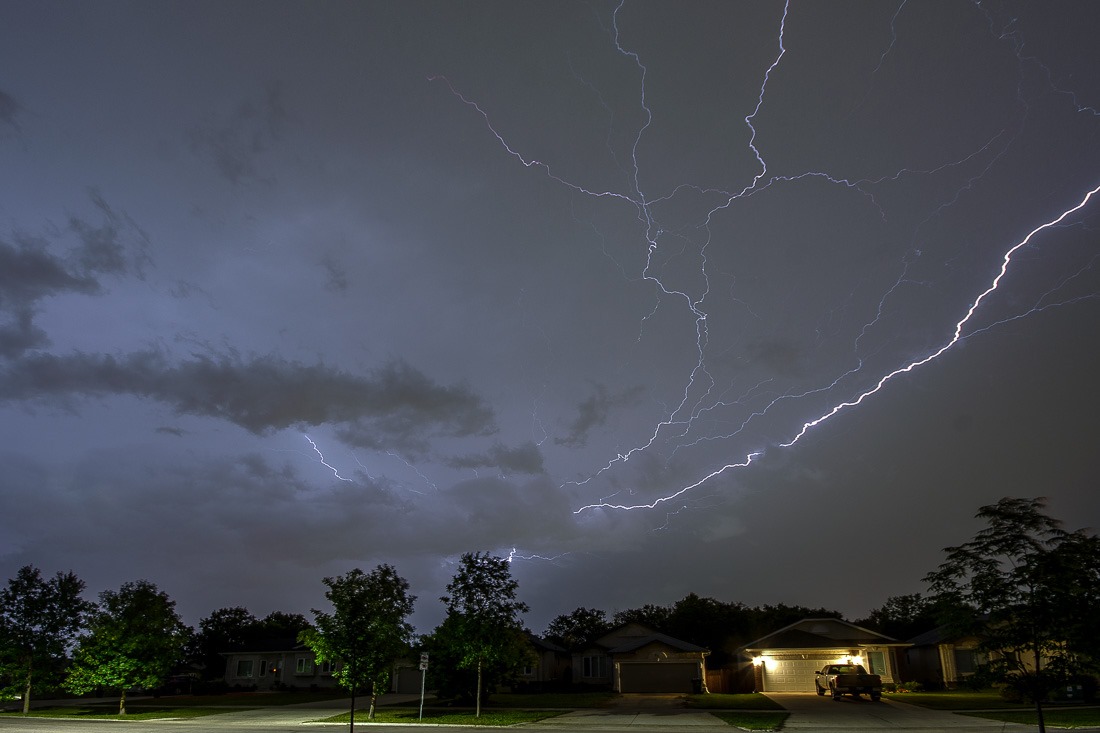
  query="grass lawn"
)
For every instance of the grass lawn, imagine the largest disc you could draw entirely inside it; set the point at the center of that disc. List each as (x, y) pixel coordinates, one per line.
(1057, 717)
(241, 699)
(571, 701)
(954, 700)
(110, 712)
(436, 716)
(753, 721)
(751, 701)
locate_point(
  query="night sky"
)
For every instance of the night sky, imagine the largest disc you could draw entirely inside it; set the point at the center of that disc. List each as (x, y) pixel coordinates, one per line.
(292, 288)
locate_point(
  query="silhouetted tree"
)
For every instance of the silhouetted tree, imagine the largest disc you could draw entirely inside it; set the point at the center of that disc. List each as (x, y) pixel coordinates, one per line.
(134, 639)
(223, 630)
(655, 617)
(1027, 588)
(39, 621)
(366, 631)
(902, 617)
(483, 615)
(571, 630)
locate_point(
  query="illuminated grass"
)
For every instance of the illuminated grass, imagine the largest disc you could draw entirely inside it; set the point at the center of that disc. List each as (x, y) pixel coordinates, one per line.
(110, 712)
(953, 700)
(438, 717)
(569, 701)
(1059, 718)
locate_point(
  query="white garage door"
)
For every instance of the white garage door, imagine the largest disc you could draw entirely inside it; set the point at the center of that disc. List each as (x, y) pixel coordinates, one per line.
(791, 675)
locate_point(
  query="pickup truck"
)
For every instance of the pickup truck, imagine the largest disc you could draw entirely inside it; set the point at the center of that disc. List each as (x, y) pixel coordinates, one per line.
(847, 679)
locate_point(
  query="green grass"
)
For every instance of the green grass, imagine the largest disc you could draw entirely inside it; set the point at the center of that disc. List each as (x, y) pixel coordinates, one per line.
(721, 701)
(110, 712)
(243, 699)
(570, 701)
(953, 699)
(753, 721)
(1060, 717)
(444, 717)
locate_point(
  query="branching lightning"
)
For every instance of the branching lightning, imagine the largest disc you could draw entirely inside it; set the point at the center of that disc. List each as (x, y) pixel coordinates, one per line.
(680, 418)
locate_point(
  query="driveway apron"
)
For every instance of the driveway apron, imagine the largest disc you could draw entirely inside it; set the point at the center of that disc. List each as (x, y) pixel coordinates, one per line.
(811, 712)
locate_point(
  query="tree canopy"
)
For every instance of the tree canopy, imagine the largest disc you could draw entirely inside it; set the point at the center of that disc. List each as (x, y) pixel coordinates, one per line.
(483, 626)
(134, 639)
(1028, 589)
(366, 631)
(39, 620)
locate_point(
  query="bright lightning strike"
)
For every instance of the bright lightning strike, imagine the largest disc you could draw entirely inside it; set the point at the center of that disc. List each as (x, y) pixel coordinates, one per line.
(321, 457)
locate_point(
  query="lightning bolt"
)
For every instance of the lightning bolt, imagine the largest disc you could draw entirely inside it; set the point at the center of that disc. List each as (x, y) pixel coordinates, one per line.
(691, 405)
(321, 457)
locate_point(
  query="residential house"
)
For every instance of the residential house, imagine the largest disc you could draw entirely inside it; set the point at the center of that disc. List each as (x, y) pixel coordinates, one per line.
(549, 667)
(276, 663)
(785, 660)
(635, 658)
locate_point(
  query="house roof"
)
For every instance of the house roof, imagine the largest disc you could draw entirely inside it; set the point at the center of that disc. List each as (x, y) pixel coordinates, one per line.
(638, 643)
(275, 644)
(545, 644)
(821, 633)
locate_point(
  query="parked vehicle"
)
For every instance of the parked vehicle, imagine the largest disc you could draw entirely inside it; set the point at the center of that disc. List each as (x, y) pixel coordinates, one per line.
(847, 679)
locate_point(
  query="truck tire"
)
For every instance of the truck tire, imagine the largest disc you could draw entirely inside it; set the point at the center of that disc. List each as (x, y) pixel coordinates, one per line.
(820, 692)
(875, 696)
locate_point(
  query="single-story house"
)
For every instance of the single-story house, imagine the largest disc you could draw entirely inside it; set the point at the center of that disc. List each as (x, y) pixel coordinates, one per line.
(549, 667)
(940, 660)
(274, 663)
(785, 660)
(635, 658)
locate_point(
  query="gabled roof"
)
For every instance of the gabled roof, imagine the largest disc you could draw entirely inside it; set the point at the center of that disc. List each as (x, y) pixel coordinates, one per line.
(821, 633)
(544, 644)
(677, 644)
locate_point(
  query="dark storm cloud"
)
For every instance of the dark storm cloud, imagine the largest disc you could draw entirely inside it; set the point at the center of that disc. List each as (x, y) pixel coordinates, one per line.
(235, 143)
(30, 272)
(594, 411)
(526, 458)
(263, 394)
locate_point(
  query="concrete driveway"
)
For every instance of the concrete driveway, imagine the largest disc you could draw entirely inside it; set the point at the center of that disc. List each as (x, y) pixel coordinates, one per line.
(809, 712)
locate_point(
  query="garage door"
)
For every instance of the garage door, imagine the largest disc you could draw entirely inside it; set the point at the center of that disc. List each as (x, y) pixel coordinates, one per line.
(791, 675)
(662, 677)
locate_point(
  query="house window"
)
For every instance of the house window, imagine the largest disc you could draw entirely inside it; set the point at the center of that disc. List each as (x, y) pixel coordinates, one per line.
(877, 660)
(967, 661)
(263, 668)
(244, 668)
(327, 667)
(528, 670)
(304, 665)
(595, 666)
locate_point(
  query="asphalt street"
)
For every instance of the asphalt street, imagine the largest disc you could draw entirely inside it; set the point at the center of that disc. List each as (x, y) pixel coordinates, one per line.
(809, 714)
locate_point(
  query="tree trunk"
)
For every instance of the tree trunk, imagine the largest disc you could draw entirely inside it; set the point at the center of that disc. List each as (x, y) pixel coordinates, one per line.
(1039, 692)
(351, 722)
(373, 700)
(122, 703)
(477, 714)
(27, 693)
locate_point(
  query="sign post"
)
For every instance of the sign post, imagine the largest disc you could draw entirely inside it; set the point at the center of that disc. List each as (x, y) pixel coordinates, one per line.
(423, 678)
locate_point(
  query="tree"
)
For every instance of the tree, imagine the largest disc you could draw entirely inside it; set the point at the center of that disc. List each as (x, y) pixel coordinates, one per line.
(39, 621)
(581, 625)
(655, 617)
(134, 639)
(221, 631)
(482, 619)
(1027, 588)
(279, 624)
(902, 617)
(366, 631)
